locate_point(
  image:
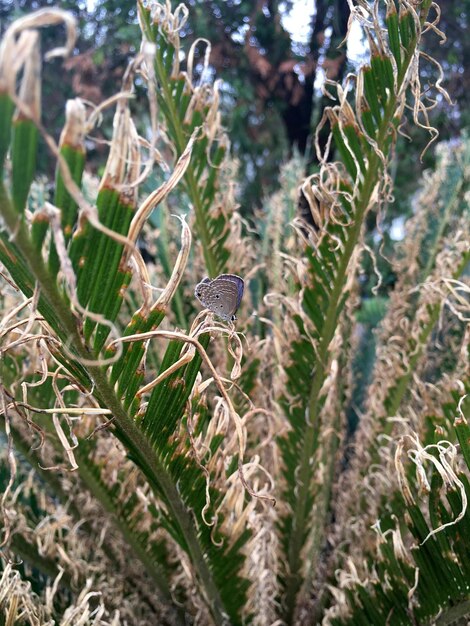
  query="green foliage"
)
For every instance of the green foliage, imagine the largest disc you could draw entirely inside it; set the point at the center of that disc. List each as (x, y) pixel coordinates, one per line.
(436, 569)
(157, 450)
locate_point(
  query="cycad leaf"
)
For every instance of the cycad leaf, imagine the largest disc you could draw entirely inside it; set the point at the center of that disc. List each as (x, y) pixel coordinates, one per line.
(440, 591)
(186, 106)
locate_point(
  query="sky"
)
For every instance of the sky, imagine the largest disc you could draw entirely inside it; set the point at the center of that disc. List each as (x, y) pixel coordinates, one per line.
(298, 22)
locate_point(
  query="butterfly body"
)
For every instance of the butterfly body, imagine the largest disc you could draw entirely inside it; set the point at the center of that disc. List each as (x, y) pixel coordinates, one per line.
(222, 295)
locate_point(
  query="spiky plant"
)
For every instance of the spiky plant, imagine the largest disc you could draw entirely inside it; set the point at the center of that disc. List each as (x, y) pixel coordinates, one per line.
(146, 443)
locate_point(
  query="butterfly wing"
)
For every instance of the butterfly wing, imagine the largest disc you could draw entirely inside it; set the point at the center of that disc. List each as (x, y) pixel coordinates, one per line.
(221, 295)
(202, 289)
(239, 282)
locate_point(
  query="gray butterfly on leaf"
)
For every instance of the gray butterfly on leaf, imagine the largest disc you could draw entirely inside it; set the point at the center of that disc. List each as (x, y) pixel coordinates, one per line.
(221, 295)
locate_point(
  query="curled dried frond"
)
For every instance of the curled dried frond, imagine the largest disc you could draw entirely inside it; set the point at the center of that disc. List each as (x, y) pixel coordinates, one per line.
(20, 42)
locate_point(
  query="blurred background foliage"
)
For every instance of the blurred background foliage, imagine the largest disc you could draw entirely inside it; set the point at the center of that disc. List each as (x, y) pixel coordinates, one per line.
(271, 58)
(271, 69)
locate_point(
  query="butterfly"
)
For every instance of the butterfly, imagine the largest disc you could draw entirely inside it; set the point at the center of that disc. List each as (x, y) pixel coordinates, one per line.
(221, 295)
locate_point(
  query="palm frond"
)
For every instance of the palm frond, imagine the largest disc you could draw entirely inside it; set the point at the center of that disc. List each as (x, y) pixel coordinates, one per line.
(94, 271)
(421, 568)
(187, 104)
(340, 197)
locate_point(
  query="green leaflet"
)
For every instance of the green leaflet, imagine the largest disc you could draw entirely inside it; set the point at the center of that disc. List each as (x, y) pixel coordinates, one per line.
(174, 99)
(442, 585)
